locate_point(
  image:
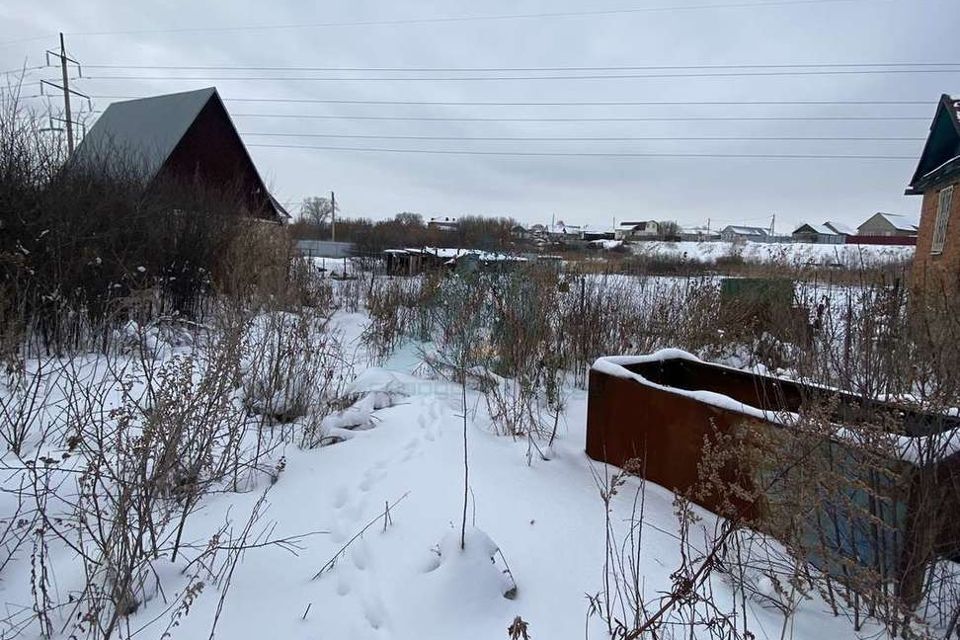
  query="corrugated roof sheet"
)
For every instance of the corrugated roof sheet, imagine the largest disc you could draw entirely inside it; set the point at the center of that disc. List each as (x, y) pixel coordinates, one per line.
(142, 133)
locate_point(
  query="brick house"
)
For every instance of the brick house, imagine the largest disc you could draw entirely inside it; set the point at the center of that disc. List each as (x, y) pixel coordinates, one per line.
(936, 263)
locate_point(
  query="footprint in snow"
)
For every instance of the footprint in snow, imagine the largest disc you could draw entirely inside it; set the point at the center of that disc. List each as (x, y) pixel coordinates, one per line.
(374, 611)
(371, 478)
(340, 496)
(412, 453)
(344, 581)
(338, 532)
(355, 510)
(359, 555)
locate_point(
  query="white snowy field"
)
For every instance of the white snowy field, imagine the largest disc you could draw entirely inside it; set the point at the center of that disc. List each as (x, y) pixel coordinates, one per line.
(787, 254)
(404, 577)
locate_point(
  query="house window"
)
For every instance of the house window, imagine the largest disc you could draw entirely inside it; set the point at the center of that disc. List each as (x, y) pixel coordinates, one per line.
(943, 218)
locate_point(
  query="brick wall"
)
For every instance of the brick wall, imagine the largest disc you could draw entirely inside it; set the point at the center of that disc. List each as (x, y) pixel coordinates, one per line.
(943, 270)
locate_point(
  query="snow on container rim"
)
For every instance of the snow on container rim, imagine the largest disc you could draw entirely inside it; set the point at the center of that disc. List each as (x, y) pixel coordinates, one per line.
(912, 449)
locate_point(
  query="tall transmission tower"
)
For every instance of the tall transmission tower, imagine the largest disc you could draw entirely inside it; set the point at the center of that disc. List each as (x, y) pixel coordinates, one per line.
(64, 87)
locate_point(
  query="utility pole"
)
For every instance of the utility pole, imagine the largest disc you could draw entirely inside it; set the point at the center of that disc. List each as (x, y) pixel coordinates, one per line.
(333, 217)
(708, 225)
(773, 222)
(64, 86)
(66, 94)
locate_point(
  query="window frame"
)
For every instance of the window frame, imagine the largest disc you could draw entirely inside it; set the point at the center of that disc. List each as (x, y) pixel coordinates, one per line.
(944, 204)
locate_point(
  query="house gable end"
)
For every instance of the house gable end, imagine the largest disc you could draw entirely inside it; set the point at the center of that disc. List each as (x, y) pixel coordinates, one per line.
(942, 145)
(212, 151)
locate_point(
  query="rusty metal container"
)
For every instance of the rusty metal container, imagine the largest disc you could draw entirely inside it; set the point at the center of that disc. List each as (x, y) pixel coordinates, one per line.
(667, 409)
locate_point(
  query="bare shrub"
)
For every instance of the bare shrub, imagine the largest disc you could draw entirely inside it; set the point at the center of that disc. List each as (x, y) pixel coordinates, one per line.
(293, 365)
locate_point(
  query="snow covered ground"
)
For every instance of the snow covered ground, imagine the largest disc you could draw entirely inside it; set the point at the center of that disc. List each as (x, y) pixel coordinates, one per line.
(792, 254)
(410, 580)
(404, 576)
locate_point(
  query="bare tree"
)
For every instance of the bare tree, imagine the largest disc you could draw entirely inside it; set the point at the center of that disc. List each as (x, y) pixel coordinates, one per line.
(409, 219)
(316, 210)
(669, 230)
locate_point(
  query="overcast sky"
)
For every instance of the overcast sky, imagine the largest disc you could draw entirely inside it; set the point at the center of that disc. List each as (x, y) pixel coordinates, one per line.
(533, 188)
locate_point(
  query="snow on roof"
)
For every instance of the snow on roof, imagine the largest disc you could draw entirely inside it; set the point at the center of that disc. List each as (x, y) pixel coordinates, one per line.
(902, 221)
(822, 229)
(641, 224)
(144, 131)
(446, 253)
(746, 231)
(941, 166)
(450, 254)
(563, 228)
(597, 228)
(841, 228)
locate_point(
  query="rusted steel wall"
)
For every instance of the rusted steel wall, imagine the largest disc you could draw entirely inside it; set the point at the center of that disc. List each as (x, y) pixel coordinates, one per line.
(666, 431)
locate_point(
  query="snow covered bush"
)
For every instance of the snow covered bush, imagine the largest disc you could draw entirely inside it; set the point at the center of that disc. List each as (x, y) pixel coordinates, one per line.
(105, 489)
(292, 364)
(400, 308)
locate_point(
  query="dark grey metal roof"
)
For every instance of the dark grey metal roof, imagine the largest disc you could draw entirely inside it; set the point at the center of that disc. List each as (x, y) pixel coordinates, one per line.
(141, 134)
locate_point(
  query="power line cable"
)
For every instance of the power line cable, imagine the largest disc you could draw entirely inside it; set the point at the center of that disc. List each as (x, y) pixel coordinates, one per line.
(587, 138)
(621, 76)
(577, 103)
(473, 152)
(20, 70)
(312, 116)
(692, 67)
(581, 119)
(464, 18)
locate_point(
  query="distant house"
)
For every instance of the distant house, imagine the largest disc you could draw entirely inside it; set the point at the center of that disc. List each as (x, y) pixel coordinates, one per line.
(443, 224)
(734, 233)
(699, 234)
(937, 259)
(645, 230)
(180, 138)
(592, 235)
(889, 225)
(840, 228)
(816, 234)
(562, 231)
